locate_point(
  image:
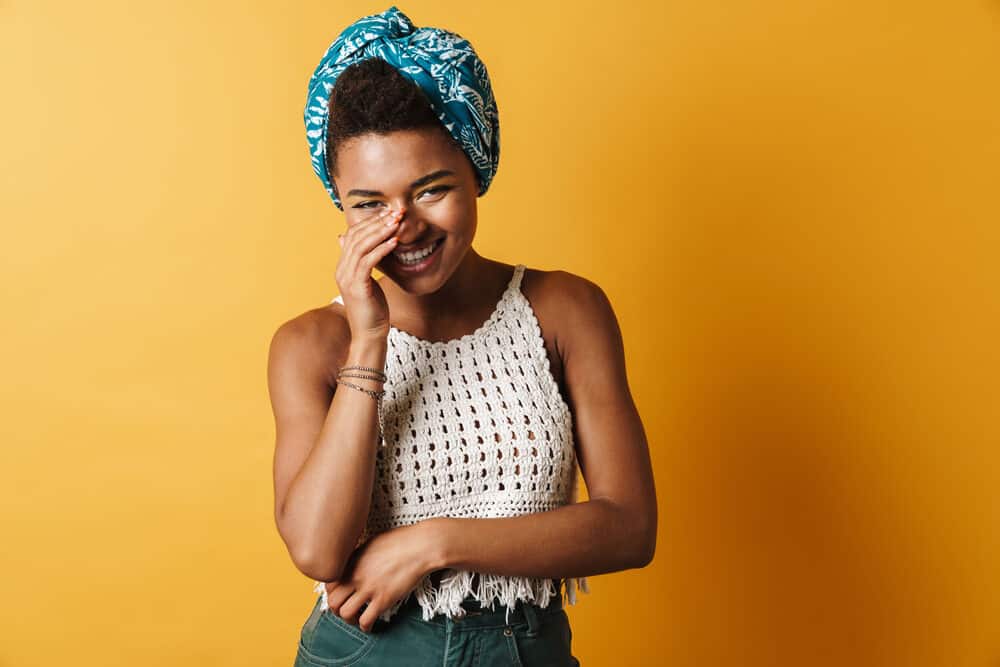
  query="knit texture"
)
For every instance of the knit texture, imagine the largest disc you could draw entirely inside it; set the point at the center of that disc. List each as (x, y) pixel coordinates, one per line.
(474, 427)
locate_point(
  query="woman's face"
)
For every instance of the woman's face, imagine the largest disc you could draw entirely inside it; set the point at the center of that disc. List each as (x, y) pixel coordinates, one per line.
(430, 179)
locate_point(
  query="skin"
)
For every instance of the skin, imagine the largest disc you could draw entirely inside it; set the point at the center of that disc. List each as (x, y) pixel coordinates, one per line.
(612, 531)
(435, 305)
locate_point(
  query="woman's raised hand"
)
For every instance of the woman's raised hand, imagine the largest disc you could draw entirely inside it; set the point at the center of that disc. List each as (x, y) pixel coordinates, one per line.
(364, 244)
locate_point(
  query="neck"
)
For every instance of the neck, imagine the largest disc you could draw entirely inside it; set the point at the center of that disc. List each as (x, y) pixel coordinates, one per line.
(473, 286)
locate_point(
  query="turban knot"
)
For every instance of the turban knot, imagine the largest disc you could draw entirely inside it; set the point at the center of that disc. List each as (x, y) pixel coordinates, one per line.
(444, 66)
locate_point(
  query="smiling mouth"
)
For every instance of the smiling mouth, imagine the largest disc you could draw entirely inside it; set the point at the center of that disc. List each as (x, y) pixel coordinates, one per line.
(417, 257)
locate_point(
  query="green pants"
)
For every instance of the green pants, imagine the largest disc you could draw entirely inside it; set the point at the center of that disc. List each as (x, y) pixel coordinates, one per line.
(531, 636)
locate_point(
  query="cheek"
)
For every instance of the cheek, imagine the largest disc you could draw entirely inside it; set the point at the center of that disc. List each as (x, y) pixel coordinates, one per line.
(455, 215)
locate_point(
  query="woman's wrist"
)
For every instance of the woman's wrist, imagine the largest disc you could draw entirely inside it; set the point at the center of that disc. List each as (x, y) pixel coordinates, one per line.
(368, 353)
(435, 541)
(362, 349)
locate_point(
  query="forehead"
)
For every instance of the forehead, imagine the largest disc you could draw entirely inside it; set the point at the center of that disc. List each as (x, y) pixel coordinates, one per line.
(395, 159)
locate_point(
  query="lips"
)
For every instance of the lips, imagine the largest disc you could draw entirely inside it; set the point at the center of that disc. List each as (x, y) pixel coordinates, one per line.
(423, 264)
(407, 251)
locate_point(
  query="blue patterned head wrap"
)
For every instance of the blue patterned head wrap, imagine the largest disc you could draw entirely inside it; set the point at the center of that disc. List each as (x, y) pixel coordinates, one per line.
(442, 63)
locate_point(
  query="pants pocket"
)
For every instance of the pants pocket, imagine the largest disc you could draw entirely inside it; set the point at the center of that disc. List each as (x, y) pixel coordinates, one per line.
(551, 646)
(329, 641)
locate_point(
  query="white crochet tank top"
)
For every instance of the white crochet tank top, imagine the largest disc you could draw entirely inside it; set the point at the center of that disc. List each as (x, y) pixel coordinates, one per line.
(474, 427)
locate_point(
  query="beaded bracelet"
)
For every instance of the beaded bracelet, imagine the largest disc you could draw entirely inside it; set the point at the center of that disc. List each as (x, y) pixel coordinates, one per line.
(364, 368)
(377, 395)
(364, 376)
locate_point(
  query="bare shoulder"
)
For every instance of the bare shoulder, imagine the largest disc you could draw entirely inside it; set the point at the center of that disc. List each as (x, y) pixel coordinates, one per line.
(571, 304)
(560, 287)
(576, 319)
(313, 343)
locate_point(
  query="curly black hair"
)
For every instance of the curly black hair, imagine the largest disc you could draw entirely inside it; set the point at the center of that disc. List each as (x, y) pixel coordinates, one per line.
(372, 96)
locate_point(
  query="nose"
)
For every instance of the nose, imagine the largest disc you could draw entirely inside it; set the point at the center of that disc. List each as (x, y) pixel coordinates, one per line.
(411, 228)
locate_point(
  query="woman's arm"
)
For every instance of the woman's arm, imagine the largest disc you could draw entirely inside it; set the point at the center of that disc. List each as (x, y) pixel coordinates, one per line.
(616, 528)
(324, 459)
(578, 540)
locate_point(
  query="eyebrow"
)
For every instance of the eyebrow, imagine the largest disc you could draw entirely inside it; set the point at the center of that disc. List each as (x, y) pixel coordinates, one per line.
(423, 180)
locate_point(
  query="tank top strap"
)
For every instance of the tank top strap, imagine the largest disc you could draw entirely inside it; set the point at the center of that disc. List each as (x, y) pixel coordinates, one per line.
(515, 281)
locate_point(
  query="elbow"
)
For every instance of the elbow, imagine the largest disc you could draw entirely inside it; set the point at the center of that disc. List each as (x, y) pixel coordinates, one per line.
(316, 567)
(639, 534)
(645, 545)
(316, 562)
(647, 550)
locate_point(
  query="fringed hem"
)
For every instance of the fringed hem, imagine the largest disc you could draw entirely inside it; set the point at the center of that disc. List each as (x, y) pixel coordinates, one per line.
(456, 586)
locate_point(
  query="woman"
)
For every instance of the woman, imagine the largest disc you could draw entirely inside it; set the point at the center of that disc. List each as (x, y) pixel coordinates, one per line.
(429, 423)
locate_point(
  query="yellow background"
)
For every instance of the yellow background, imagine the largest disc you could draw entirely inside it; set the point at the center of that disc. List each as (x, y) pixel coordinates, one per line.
(792, 205)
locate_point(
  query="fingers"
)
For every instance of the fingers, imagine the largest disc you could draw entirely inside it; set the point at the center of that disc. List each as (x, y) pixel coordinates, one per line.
(365, 244)
(364, 229)
(352, 608)
(370, 260)
(380, 230)
(345, 237)
(370, 615)
(335, 597)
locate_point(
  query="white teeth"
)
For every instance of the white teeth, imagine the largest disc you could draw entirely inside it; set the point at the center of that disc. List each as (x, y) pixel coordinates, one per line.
(414, 257)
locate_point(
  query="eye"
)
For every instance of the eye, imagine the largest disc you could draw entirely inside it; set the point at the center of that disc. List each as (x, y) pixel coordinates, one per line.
(367, 204)
(436, 190)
